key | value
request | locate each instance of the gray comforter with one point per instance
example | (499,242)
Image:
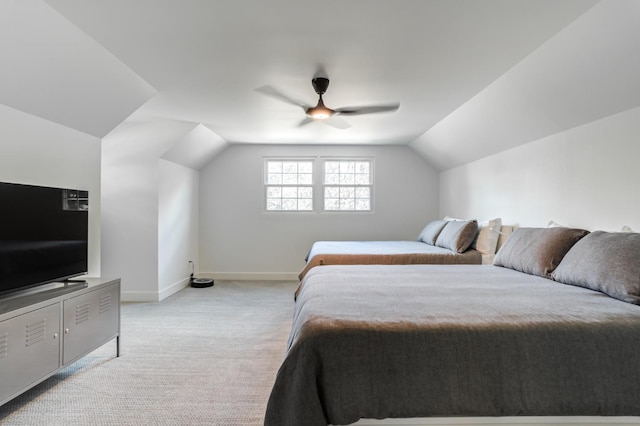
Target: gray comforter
(379,341)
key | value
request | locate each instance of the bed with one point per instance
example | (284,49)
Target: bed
(552,330)
(448,241)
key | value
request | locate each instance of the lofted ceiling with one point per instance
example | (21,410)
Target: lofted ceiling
(462,70)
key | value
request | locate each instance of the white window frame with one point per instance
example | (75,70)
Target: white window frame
(304,187)
(351,186)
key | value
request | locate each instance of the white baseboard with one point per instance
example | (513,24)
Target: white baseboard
(173,288)
(502,421)
(139,296)
(250,276)
(154,296)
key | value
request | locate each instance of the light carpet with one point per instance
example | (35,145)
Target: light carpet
(202,356)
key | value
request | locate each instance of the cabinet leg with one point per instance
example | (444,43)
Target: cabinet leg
(118,346)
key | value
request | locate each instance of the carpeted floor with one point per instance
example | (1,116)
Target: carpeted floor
(202,356)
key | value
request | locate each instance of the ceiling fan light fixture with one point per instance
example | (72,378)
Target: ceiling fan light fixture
(320,112)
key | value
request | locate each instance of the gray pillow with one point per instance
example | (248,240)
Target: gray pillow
(604,261)
(430,232)
(457,235)
(537,251)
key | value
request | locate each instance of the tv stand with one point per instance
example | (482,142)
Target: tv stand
(45,331)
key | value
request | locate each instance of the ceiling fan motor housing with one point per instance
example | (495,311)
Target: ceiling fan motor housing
(320,84)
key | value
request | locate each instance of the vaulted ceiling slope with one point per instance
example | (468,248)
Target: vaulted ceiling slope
(472,77)
(586,72)
(53,70)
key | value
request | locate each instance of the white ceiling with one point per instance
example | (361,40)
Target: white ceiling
(455,66)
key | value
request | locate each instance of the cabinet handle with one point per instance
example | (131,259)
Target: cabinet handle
(66,331)
(55,335)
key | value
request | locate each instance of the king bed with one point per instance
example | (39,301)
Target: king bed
(537,334)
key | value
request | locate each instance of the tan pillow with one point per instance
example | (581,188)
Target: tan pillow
(537,251)
(430,232)
(604,261)
(458,235)
(486,240)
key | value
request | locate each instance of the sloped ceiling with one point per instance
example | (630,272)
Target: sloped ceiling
(586,72)
(473,77)
(53,70)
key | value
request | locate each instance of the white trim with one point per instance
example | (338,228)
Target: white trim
(174,288)
(251,276)
(154,296)
(524,420)
(139,296)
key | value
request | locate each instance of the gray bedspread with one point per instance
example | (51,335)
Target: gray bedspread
(381,341)
(384,253)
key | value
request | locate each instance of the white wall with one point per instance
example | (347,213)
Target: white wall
(38,152)
(178,219)
(584,177)
(240,241)
(130,204)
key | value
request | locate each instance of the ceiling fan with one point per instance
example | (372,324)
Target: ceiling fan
(320,112)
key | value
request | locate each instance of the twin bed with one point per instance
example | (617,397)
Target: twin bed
(551,329)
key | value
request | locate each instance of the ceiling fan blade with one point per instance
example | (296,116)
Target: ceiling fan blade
(367,109)
(306,121)
(275,93)
(337,122)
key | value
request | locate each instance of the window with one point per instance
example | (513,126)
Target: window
(347,185)
(289,185)
(343,184)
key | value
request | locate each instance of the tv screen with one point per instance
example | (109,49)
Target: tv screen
(43,235)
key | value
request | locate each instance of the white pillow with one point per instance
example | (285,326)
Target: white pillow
(626,229)
(554,224)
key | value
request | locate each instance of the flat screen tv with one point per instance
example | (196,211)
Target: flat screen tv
(43,235)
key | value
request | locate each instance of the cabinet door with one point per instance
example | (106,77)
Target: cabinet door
(29,349)
(90,320)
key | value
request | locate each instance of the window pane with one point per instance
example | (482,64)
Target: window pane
(347,179)
(361,179)
(305,204)
(332,192)
(332,204)
(305,192)
(332,167)
(288,204)
(363,205)
(362,167)
(274,192)
(274,204)
(289,178)
(347,204)
(332,178)
(290,192)
(347,167)
(290,167)
(305,167)
(305,179)
(363,193)
(347,192)
(274,167)
(274,179)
